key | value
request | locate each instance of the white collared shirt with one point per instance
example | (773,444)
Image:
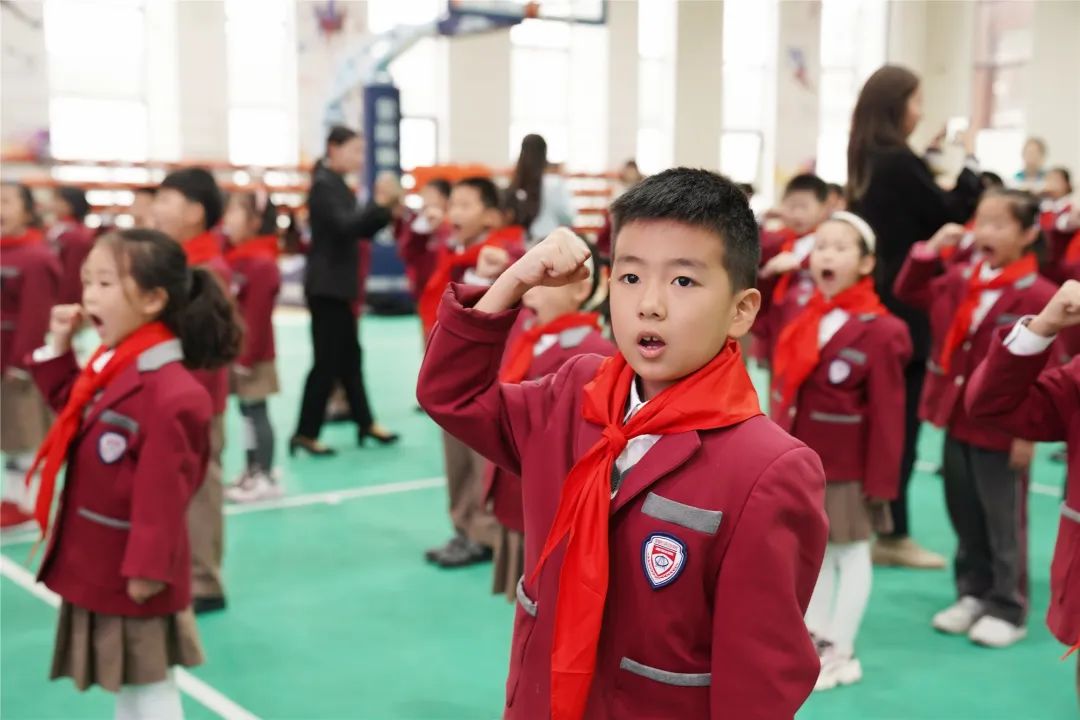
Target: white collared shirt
(830,325)
(638,445)
(545,343)
(986,299)
(1022,341)
(803,247)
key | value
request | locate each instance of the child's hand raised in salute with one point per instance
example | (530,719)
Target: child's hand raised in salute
(560,259)
(64,322)
(1061,312)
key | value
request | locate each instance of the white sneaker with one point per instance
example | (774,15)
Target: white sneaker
(994,632)
(957,619)
(838,668)
(257,487)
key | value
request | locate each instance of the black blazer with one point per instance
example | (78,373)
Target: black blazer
(337,227)
(904,205)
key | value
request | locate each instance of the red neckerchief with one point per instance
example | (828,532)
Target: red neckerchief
(31,236)
(53,450)
(521,352)
(1072,252)
(203,248)
(264,246)
(797,352)
(448,260)
(961,324)
(718,395)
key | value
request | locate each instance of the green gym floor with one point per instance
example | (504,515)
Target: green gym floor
(333,613)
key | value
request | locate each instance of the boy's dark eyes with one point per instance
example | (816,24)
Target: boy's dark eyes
(683,281)
(629,279)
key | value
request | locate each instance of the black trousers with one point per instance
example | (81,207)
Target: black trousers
(987,503)
(914,375)
(335,339)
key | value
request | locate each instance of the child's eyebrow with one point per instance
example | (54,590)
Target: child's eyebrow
(688,262)
(629,259)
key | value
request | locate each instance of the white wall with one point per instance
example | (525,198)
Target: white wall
(24,77)
(698,61)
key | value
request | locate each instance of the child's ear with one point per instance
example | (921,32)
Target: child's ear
(867,263)
(1031,236)
(493,217)
(743,312)
(194,215)
(153,302)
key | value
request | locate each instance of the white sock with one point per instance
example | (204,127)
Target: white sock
(15,478)
(855,574)
(819,611)
(156,701)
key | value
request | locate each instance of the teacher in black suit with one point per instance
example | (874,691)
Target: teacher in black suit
(338,226)
(894,190)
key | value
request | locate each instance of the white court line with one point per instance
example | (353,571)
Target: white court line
(198,690)
(332,497)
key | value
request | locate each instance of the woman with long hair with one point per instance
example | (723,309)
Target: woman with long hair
(541,198)
(894,190)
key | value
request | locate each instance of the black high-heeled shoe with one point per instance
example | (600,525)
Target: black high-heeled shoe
(311,447)
(383,438)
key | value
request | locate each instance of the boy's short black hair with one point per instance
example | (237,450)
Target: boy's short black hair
(489,194)
(835,189)
(1064,172)
(747,189)
(808,182)
(440,185)
(198,185)
(76,200)
(701,199)
(990,180)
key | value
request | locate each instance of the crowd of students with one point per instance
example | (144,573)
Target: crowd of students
(618,366)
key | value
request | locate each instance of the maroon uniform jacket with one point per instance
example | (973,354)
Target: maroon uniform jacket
(850,410)
(137,459)
(71,241)
(256,282)
(29,286)
(770,319)
(419,253)
(922,284)
(504,488)
(725,638)
(1016,394)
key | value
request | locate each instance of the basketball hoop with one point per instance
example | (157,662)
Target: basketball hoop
(330,18)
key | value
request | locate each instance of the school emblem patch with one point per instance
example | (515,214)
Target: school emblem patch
(663,558)
(111,447)
(839,371)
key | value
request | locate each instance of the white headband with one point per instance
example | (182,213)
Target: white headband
(860,225)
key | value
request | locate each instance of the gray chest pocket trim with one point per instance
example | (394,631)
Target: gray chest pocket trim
(1070,514)
(527,603)
(851,354)
(104,519)
(111,417)
(1007,319)
(835,418)
(666,677)
(706,521)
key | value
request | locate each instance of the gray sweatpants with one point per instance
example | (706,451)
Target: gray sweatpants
(987,502)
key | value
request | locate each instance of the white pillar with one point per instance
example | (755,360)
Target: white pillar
(480,99)
(797,100)
(622,79)
(699,60)
(1053,90)
(203,80)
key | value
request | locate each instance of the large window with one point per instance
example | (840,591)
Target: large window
(1003,48)
(748,90)
(558,84)
(844,68)
(261,38)
(656,84)
(97,107)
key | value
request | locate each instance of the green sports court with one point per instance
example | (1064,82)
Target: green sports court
(333,614)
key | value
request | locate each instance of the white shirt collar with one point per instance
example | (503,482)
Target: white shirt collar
(103,360)
(988,273)
(636,403)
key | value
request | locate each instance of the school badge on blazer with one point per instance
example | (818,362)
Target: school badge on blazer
(839,371)
(663,558)
(111,447)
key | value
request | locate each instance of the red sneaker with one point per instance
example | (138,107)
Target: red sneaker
(12,517)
